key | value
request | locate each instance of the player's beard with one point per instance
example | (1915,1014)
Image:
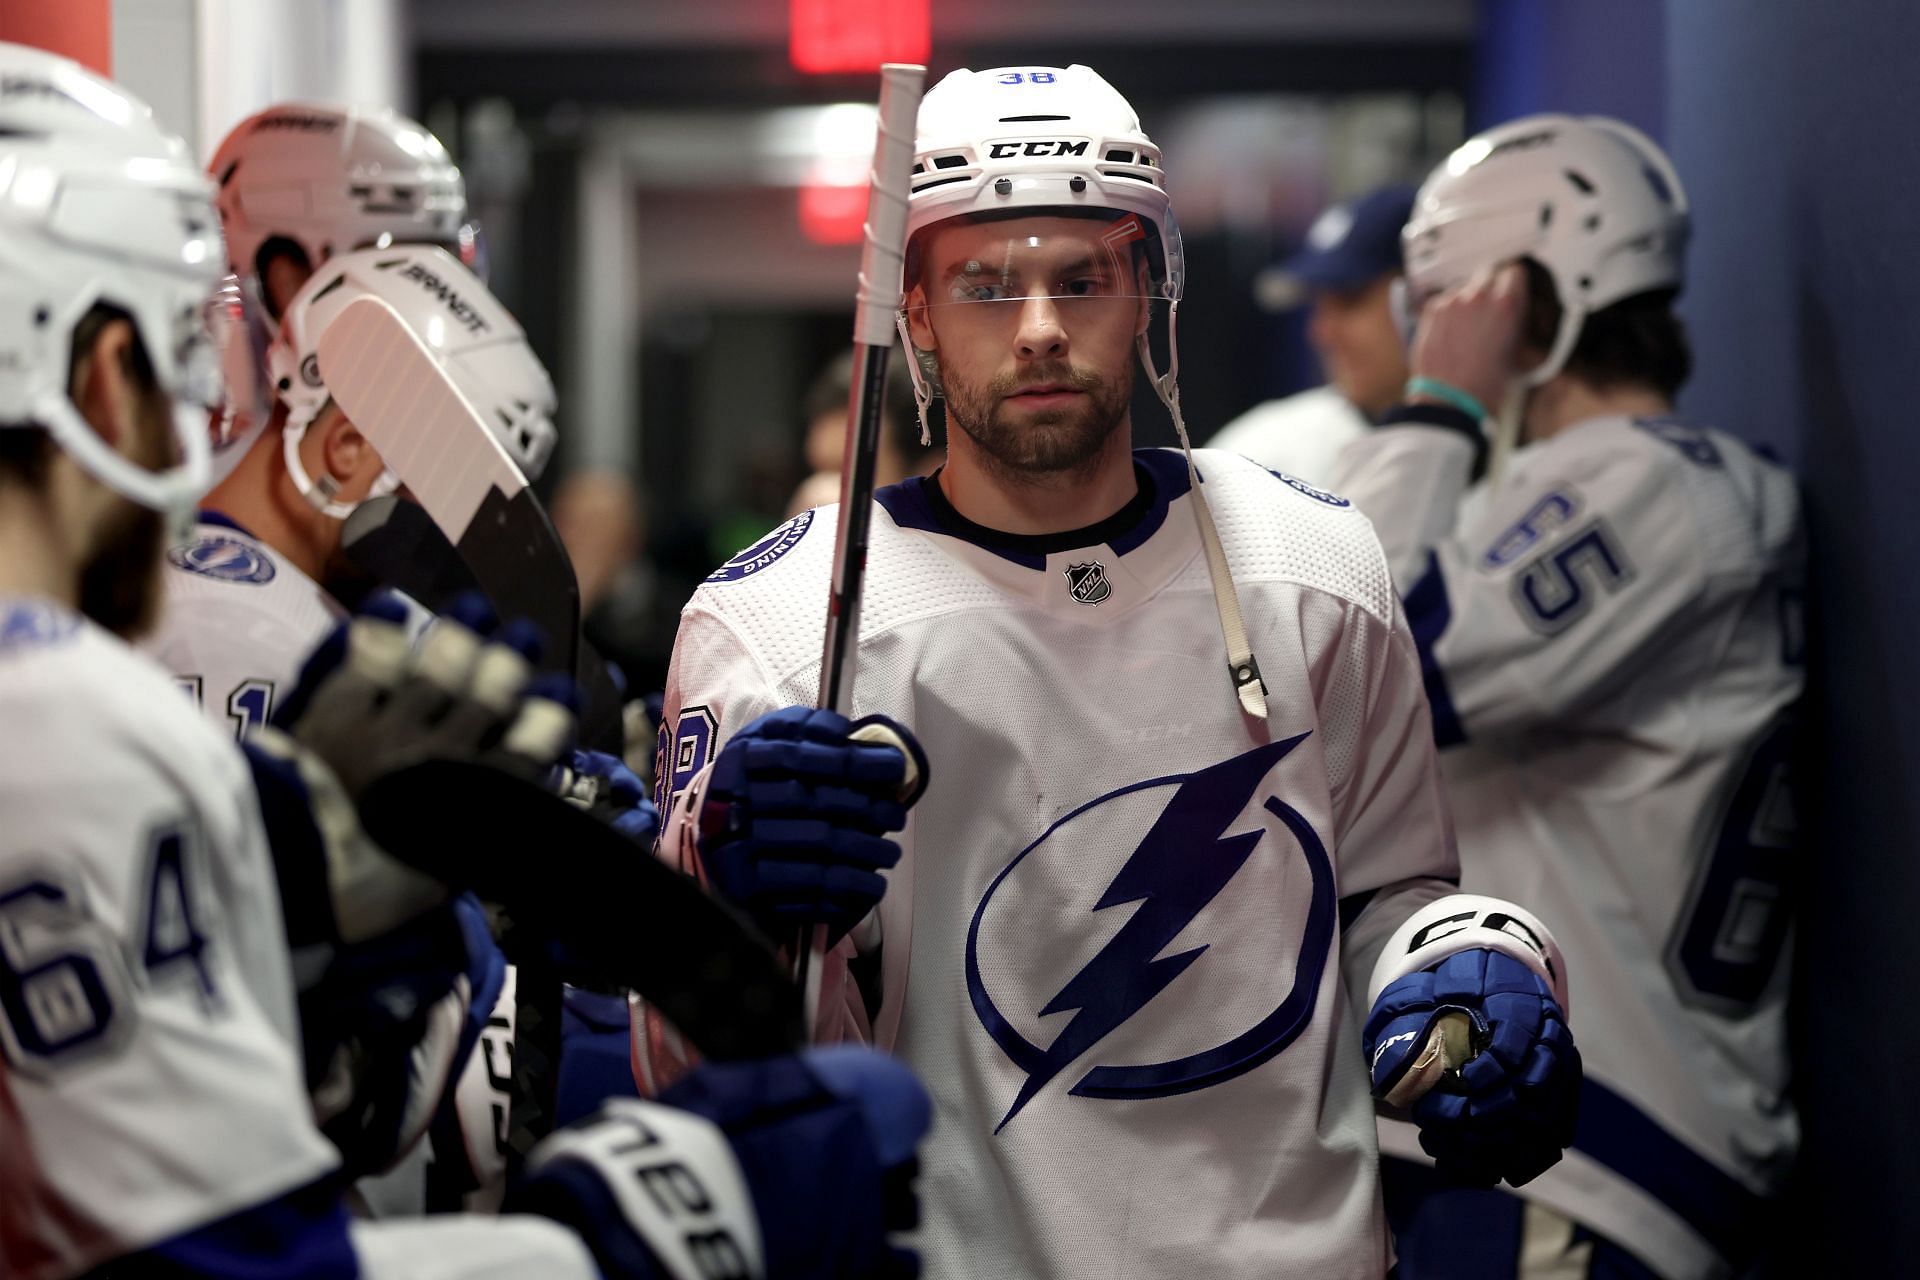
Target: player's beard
(1051,442)
(120,585)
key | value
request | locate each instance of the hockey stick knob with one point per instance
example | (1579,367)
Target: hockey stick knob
(1449,1047)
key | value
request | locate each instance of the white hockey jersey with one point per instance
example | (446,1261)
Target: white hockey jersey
(151,1077)
(1121,941)
(238,623)
(1611,639)
(1301,434)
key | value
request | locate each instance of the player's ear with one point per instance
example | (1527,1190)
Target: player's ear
(344,452)
(105,387)
(919,327)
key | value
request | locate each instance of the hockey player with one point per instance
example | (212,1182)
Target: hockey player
(1611,643)
(1183,802)
(155,1120)
(247,597)
(1346,272)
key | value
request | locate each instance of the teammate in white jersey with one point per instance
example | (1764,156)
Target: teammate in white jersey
(1345,271)
(1182,802)
(1610,638)
(154,1119)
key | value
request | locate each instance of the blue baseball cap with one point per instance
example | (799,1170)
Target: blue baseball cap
(1350,245)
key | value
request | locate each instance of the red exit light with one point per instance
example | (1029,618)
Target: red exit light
(828,37)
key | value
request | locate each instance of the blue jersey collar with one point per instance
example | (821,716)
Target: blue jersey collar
(1161,477)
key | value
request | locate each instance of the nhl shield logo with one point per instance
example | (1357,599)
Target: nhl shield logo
(1087,583)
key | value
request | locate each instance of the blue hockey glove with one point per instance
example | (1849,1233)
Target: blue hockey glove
(788,1169)
(1479,1051)
(388,1026)
(603,785)
(797,814)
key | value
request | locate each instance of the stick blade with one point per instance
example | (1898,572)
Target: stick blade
(393,389)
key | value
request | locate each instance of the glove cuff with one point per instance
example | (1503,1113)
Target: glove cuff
(1463,922)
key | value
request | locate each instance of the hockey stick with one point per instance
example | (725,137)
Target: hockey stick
(882,261)
(577,880)
(392,389)
(397,544)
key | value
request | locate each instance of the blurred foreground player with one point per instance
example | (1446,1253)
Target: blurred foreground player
(1183,804)
(1611,643)
(153,1118)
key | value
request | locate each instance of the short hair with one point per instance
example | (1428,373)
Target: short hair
(1639,340)
(26,451)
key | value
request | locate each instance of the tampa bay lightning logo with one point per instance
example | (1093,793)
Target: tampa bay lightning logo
(1317,494)
(1174,873)
(764,552)
(225,559)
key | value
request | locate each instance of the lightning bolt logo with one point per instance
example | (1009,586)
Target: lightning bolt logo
(1178,868)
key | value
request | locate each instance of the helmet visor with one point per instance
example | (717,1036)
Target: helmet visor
(986,275)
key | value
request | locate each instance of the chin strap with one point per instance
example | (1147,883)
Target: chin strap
(1242,667)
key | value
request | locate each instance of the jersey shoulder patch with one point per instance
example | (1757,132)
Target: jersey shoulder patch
(762,554)
(224,558)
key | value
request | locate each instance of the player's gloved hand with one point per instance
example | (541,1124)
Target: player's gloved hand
(604,786)
(368,703)
(789,1169)
(797,813)
(1479,1051)
(389,1024)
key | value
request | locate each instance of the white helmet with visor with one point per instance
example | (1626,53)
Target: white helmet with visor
(1016,142)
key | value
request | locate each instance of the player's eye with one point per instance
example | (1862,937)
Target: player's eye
(980,291)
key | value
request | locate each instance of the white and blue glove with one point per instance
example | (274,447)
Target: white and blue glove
(1468,1034)
(795,1168)
(797,814)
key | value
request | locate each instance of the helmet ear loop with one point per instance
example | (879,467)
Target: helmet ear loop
(1510,413)
(925,382)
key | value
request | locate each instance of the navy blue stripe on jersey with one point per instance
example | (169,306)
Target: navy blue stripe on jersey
(1161,477)
(225,521)
(1617,1134)
(1429,613)
(300,1236)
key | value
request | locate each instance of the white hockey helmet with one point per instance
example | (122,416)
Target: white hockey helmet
(1595,202)
(1015,140)
(331,179)
(101,206)
(477,341)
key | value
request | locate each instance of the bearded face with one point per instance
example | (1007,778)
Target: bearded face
(1032,323)
(120,584)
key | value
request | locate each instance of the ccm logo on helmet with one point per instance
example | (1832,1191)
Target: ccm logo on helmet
(463,311)
(1041,147)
